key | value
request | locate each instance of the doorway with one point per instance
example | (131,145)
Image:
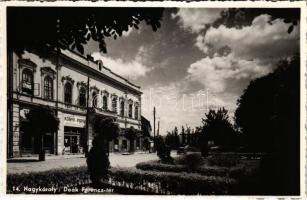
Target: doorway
(73,139)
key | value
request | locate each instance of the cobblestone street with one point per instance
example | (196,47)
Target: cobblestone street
(31,164)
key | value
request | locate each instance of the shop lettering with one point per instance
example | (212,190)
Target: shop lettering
(71,119)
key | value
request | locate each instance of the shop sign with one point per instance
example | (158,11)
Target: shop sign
(74,120)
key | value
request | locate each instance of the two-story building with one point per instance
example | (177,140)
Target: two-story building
(72,85)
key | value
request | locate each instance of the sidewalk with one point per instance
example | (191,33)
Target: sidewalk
(31,164)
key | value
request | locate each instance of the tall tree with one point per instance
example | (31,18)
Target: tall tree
(41,120)
(269,115)
(73,27)
(217,127)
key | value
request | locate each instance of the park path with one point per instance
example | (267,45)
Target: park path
(30,164)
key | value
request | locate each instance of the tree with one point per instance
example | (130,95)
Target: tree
(163,150)
(131,134)
(217,127)
(98,162)
(41,120)
(268,114)
(72,28)
(182,135)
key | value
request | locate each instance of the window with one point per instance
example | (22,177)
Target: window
(122,108)
(48,87)
(94,97)
(136,112)
(130,110)
(99,66)
(114,104)
(27,81)
(68,93)
(82,97)
(105,103)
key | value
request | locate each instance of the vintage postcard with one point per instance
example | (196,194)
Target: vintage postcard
(153,98)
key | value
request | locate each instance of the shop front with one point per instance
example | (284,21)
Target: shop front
(29,142)
(74,133)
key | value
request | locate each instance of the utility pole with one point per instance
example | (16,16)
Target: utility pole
(158,128)
(87,117)
(154,115)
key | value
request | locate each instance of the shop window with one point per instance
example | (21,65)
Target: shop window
(48,88)
(130,111)
(124,145)
(82,97)
(122,108)
(27,81)
(68,93)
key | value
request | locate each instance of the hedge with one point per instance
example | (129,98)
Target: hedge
(176,183)
(233,172)
(167,182)
(58,178)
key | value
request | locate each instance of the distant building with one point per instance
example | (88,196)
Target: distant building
(68,83)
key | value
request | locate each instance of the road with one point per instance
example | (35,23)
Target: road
(31,164)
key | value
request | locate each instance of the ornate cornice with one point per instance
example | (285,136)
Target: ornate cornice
(49,71)
(27,63)
(121,98)
(130,101)
(81,84)
(68,79)
(113,95)
(94,88)
(105,92)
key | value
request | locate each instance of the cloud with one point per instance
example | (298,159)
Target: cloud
(173,108)
(264,39)
(131,69)
(225,73)
(194,19)
(127,33)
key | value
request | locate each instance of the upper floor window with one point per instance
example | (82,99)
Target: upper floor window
(68,93)
(48,87)
(104,102)
(136,112)
(94,98)
(130,111)
(122,108)
(82,97)
(114,104)
(27,81)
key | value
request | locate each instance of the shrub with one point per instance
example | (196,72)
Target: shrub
(176,183)
(97,160)
(58,178)
(204,149)
(163,151)
(232,172)
(193,161)
(223,160)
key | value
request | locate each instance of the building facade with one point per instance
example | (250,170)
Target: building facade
(77,88)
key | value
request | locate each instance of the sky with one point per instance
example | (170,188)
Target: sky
(188,66)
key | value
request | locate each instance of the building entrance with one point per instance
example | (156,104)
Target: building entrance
(73,139)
